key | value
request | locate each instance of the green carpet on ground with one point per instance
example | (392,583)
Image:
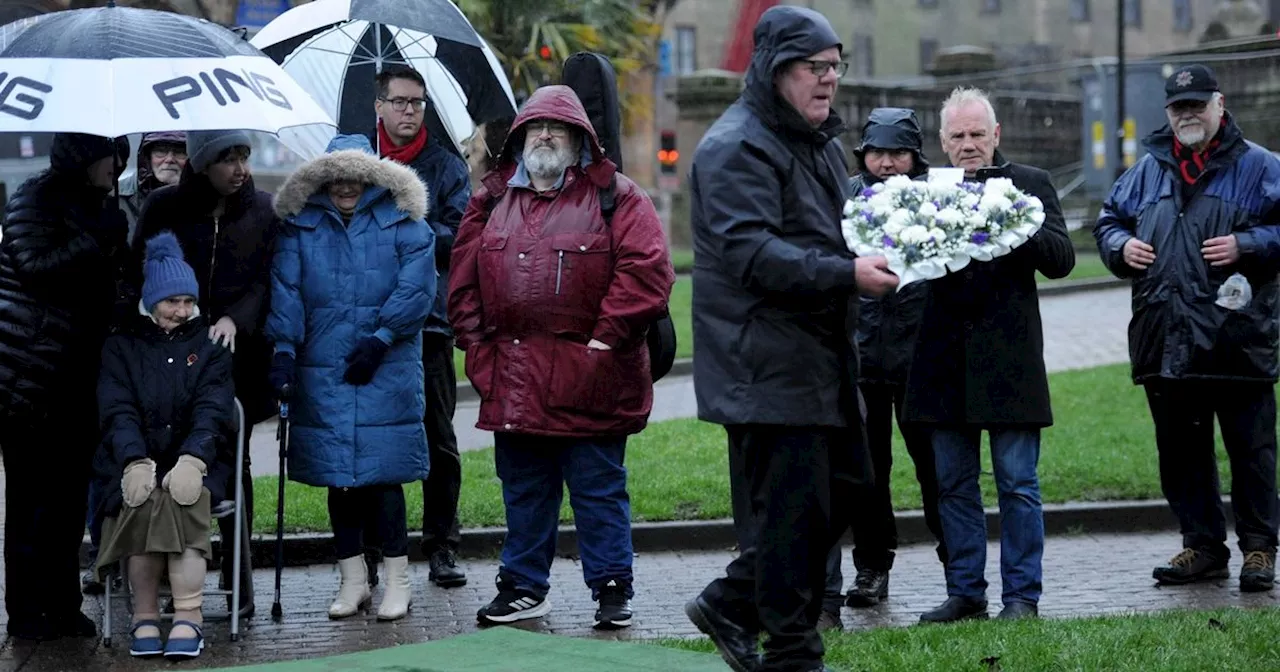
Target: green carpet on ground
(507,650)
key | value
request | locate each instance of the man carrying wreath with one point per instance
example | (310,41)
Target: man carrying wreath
(979,364)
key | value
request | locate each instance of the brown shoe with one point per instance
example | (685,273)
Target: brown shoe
(1259,571)
(1190,566)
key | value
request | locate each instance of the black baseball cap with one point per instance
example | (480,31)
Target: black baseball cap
(1190,82)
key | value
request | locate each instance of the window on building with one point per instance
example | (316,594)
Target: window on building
(863,56)
(928,49)
(1080,10)
(686,50)
(991,6)
(1133,13)
(1182,20)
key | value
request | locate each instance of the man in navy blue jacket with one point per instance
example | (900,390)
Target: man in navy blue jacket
(402,136)
(1194,225)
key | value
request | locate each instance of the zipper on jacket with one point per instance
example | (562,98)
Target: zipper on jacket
(213,256)
(559,270)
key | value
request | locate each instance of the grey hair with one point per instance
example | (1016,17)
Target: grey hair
(965,95)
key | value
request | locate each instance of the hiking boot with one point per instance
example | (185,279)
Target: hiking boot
(829,620)
(1190,566)
(737,645)
(1259,571)
(615,608)
(512,604)
(444,569)
(956,609)
(871,587)
(1018,610)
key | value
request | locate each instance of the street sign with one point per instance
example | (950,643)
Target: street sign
(664,58)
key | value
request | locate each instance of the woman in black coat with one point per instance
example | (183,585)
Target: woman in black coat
(227,230)
(167,402)
(62,258)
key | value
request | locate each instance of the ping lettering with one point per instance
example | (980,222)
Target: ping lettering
(20,90)
(222,86)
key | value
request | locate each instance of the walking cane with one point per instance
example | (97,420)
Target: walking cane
(282,434)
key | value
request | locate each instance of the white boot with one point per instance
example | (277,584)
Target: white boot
(353,594)
(395,580)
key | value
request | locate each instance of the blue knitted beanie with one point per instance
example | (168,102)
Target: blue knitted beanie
(165,273)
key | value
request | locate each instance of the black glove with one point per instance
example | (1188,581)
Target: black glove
(283,374)
(364,361)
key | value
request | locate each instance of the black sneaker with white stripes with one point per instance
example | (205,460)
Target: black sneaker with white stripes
(511,605)
(615,608)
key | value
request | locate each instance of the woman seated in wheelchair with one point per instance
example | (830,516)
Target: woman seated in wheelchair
(167,403)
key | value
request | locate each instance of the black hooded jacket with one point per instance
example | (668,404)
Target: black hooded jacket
(63,257)
(774,298)
(887,326)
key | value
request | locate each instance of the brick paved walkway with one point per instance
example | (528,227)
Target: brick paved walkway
(1075,585)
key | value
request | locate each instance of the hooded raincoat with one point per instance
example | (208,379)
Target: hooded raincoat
(334,282)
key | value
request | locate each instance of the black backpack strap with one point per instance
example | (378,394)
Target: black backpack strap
(609,200)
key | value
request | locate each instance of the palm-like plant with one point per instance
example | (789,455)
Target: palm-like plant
(533,38)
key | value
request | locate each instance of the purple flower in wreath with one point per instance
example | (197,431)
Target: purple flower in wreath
(888,242)
(1019,204)
(868,192)
(979,238)
(869,215)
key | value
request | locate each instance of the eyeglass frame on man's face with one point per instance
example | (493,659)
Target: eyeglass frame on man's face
(556,129)
(178,153)
(402,104)
(821,68)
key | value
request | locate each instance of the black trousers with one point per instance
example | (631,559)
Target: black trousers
(1183,412)
(440,528)
(377,507)
(44,527)
(875,530)
(799,483)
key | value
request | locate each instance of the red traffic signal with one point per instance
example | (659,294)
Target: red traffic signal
(544,52)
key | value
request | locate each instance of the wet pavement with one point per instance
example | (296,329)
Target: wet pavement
(1084,576)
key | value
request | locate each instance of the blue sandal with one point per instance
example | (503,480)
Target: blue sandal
(188,647)
(145,647)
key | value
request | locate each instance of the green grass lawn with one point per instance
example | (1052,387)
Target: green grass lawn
(1231,639)
(1101,448)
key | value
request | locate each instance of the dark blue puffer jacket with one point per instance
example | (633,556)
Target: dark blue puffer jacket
(1177,330)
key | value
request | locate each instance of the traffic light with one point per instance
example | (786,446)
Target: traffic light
(668,155)
(544,52)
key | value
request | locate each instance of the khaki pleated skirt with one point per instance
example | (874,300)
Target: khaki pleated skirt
(159,525)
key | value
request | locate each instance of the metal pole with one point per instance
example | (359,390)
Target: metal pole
(1120,136)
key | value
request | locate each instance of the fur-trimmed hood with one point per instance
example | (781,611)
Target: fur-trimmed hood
(351,157)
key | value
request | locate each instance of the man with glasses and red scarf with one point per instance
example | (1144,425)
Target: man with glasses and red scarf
(1193,223)
(403,137)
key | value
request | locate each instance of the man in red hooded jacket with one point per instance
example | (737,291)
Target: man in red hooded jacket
(551,302)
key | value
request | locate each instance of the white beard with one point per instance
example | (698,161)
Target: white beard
(1191,135)
(546,163)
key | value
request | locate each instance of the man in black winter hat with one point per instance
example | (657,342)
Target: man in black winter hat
(891,145)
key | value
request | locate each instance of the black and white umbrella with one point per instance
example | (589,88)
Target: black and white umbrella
(335,48)
(113,71)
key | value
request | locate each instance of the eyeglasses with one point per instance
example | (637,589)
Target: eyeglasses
(1192,106)
(820,68)
(553,128)
(399,104)
(179,154)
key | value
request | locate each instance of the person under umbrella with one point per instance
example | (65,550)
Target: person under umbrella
(161,158)
(352,283)
(159,482)
(62,285)
(227,229)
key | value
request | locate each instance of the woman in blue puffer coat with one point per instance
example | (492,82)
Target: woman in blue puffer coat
(352,282)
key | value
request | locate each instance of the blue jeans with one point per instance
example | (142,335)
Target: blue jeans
(534,471)
(1014,455)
